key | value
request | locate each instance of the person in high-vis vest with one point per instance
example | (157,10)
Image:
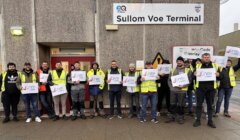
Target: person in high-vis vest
(57,77)
(148,90)
(178,93)
(77,94)
(205,90)
(133,92)
(188,64)
(28,76)
(227,82)
(96,91)
(114,90)
(10,92)
(44,90)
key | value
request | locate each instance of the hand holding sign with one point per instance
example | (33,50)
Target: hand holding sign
(180,80)
(43,77)
(114,79)
(164,69)
(220,60)
(58,90)
(232,52)
(95,80)
(129,81)
(150,74)
(78,76)
(207,74)
(29,88)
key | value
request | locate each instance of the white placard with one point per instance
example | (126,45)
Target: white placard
(150,74)
(58,89)
(158,13)
(139,64)
(29,88)
(164,68)
(95,80)
(115,79)
(190,52)
(232,51)
(220,60)
(180,80)
(43,77)
(129,81)
(78,76)
(206,74)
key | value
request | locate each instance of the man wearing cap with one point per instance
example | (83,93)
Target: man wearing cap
(178,93)
(28,76)
(115,91)
(10,92)
(96,91)
(148,90)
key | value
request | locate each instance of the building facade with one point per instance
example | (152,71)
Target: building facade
(75,30)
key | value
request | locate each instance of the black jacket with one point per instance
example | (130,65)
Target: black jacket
(10,82)
(114,88)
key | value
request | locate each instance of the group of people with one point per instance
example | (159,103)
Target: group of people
(155,90)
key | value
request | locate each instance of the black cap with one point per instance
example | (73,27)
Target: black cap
(148,63)
(180,58)
(27,64)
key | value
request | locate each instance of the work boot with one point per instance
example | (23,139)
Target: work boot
(15,119)
(6,120)
(211,124)
(197,123)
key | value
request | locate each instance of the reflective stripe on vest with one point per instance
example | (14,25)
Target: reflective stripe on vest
(99,72)
(148,86)
(136,74)
(186,70)
(59,80)
(232,77)
(109,72)
(198,67)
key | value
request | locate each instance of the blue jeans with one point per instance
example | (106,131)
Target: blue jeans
(46,100)
(226,94)
(33,99)
(152,97)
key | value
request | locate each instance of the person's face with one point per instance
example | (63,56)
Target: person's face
(45,66)
(206,58)
(95,66)
(131,68)
(11,68)
(114,65)
(229,63)
(180,63)
(187,65)
(149,66)
(58,65)
(76,65)
(28,67)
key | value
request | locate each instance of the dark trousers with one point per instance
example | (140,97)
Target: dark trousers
(177,104)
(118,96)
(47,102)
(163,92)
(10,100)
(134,97)
(202,94)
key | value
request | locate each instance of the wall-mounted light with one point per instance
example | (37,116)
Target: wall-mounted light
(16,30)
(111,27)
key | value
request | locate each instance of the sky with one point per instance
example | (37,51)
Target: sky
(229,14)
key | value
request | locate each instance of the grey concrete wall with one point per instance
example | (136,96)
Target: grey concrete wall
(127,44)
(18,49)
(65,20)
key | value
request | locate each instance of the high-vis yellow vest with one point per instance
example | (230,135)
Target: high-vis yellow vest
(149,86)
(186,70)
(231,77)
(59,80)
(3,80)
(136,74)
(23,78)
(199,66)
(99,72)
(109,72)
